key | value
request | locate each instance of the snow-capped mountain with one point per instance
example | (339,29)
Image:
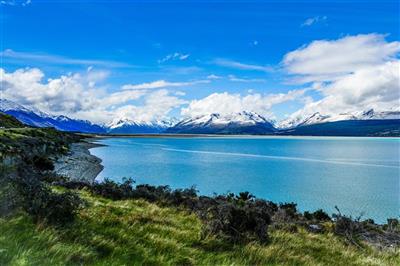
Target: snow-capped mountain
(37,118)
(127,125)
(235,123)
(318,118)
(367,123)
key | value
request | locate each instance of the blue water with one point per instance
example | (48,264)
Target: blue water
(359,175)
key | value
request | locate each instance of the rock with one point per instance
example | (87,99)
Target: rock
(79,164)
(315,228)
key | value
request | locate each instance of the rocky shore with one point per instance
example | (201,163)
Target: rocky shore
(79,164)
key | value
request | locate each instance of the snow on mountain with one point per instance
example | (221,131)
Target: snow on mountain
(244,118)
(127,125)
(37,118)
(235,123)
(6,105)
(318,118)
(119,122)
(371,114)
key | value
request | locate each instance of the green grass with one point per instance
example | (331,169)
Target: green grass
(136,232)
(17,141)
(8,121)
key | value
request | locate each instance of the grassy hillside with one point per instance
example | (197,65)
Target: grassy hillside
(8,121)
(28,142)
(136,232)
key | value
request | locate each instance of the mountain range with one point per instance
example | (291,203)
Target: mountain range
(129,126)
(236,123)
(366,123)
(318,118)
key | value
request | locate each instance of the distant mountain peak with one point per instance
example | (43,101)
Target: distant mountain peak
(243,122)
(6,105)
(233,123)
(34,117)
(317,118)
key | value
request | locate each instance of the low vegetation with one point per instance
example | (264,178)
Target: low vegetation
(48,220)
(137,232)
(8,121)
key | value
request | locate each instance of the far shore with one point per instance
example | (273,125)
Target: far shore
(166,135)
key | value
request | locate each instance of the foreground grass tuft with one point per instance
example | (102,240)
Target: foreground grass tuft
(136,232)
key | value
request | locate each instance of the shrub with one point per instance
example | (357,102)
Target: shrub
(393,224)
(52,178)
(238,222)
(318,215)
(348,227)
(61,208)
(43,163)
(113,190)
(289,208)
(40,202)
(185,197)
(152,193)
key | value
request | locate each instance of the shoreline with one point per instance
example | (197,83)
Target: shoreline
(216,136)
(79,164)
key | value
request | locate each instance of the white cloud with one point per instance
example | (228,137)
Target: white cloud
(59,60)
(226,103)
(78,95)
(371,87)
(313,20)
(174,56)
(157,105)
(15,2)
(68,93)
(180,93)
(238,79)
(242,66)
(161,84)
(212,76)
(354,73)
(328,60)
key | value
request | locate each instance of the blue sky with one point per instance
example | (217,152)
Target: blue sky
(198,48)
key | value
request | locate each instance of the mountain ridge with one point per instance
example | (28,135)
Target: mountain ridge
(369,122)
(318,118)
(235,123)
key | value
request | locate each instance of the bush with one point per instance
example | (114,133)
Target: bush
(289,208)
(318,215)
(348,227)
(185,197)
(113,190)
(152,193)
(40,202)
(43,163)
(393,224)
(238,221)
(61,208)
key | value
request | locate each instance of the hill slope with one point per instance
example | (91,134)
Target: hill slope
(8,121)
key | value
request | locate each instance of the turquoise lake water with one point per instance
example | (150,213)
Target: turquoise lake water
(359,175)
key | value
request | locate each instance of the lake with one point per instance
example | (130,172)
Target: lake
(359,175)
